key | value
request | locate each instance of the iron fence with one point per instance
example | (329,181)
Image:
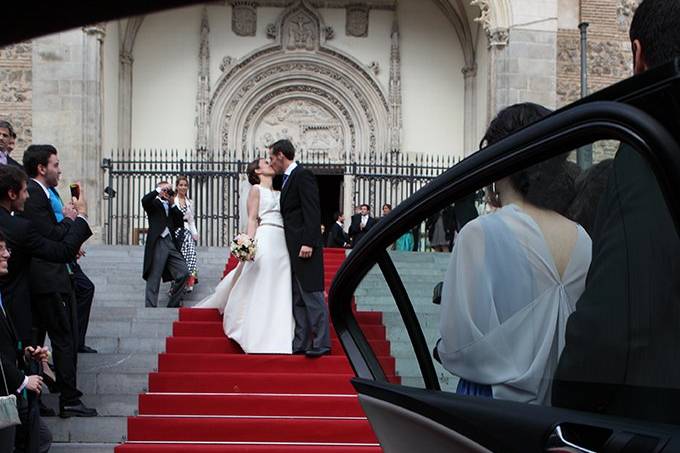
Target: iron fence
(214,186)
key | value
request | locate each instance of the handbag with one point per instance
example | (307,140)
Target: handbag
(9,414)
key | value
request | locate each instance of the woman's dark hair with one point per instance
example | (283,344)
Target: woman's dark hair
(388,206)
(253,177)
(548,184)
(590,186)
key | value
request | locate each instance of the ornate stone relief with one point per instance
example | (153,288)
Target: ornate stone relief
(226,64)
(272,31)
(203,89)
(395,117)
(329,32)
(624,12)
(357,21)
(310,126)
(335,107)
(497,35)
(301,32)
(374,66)
(244,17)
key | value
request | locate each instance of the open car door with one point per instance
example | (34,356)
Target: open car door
(642,113)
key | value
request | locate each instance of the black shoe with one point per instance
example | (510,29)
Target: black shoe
(317,352)
(299,352)
(87,350)
(79,410)
(46,411)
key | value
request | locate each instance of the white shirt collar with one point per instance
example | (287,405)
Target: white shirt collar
(47,192)
(339,223)
(290,168)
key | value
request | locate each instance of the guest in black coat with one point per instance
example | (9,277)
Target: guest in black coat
(32,435)
(7,143)
(336,235)
(621,355)
(52,296)
(162,258)
(26,242)
(361,224)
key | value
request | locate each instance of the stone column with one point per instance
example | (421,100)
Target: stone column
(92,106)
(125,100)
(470,137)
(348,199)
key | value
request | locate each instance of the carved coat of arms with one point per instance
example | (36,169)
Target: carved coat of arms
(357,21)
(244,20)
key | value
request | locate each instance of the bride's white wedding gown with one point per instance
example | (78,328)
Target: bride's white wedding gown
(256,297)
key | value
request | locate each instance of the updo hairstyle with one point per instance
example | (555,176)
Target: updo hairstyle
(253,178)
(548,184)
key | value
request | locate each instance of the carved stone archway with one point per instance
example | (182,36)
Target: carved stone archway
(299,68)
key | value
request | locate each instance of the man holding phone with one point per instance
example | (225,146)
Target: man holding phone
(162,258)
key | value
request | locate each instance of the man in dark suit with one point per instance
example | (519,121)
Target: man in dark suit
(337,236)
(52,296)
(52,218)
(361,223)
(7,142)
(621,355)
(301,219)
(26,242)
(161,255)
(33,433)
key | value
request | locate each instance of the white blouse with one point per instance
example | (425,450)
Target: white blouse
(504,305)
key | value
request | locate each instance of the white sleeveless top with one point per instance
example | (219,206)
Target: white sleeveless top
(270,208)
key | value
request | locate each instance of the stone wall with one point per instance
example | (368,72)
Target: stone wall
(16,92)
(609,54)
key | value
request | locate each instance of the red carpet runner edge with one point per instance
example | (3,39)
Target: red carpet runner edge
(222,400)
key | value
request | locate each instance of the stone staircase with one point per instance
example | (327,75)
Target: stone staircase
(128,338)
(420,272)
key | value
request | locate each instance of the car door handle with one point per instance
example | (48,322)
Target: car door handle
(558,443)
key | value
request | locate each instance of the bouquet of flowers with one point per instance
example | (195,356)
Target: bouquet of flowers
(243,247)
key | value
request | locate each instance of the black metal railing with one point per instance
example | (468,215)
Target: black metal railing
(215,182)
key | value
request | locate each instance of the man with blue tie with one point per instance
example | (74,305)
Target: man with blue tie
(162,258)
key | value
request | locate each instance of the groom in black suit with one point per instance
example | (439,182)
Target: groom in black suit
(301,219)
(161,255)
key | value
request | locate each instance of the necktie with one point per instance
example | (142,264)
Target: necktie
(165,206)
(3,158)
(285,178)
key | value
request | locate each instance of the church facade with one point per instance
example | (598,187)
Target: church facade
(346,81)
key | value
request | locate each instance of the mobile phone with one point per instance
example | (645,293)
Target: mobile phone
(75,191)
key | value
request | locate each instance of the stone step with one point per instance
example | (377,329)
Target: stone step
(133,362)
(105,313)
(94,430)
(82,448)
(124,345)
(139,328)
(110,383)
(106,405)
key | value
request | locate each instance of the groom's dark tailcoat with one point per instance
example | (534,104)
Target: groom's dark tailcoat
(158,221)
(302,219)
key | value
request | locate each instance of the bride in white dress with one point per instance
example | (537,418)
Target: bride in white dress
(256,297)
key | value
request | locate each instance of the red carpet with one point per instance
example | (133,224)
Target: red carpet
(209,397)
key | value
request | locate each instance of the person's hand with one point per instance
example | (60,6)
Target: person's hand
(70,211)
(305,251)
(195,237)
(35,383)
(40,354)
(80,204)
(81,253)
(163,187)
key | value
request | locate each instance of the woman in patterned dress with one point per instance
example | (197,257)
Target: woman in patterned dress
(189,234)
